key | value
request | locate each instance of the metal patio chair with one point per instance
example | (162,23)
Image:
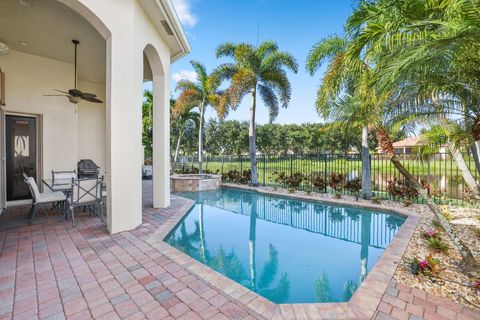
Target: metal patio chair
(40,198)
(85,192)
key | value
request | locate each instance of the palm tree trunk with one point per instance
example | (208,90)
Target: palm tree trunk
(202,232)
(251,243)
(366,220)
(177,151)
(252,139)
(200,138)
(366,168)
(475,149)
(468,261)
(465,171)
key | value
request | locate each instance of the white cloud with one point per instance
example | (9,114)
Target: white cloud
(184,12)
(184,75)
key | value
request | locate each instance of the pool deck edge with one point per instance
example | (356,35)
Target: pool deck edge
(364,301)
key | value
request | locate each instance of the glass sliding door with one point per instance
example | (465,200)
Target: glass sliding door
(21,154)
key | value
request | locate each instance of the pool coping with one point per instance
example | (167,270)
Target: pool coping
(364,301)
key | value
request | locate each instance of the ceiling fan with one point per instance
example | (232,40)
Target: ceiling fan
(75,95)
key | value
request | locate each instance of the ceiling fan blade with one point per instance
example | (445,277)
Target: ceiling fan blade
(60,91)
(90,95)
(56,95)
(92,99)
(75,92)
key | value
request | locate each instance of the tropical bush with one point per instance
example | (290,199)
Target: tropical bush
(317,180)
(400,189)
(292,181)
(336,181)
(354,186)
(236,176)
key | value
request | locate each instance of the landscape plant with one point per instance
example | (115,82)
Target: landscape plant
(199,95)
(256,70)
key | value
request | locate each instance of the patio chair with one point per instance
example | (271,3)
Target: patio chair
(85,192)
(40,198)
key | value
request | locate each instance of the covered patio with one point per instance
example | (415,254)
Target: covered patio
(51,271)
(119,48)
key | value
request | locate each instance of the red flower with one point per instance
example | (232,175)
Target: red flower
(423,264)
(477,284)
(430,233)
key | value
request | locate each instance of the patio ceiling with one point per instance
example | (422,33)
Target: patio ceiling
(46,29)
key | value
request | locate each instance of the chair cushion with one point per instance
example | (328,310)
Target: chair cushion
(52,197)
(34,188)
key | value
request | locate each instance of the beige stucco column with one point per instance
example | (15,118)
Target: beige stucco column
(124,96)
(161,130)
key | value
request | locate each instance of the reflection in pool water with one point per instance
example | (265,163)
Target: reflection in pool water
(288,251)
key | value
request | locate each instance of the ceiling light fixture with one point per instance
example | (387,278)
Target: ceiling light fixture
(24,43)
(4,48)
(26,3)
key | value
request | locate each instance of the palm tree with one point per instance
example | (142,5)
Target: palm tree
(180,124)
(147,121)
(428,48)
(402,41)
(256,69)
(200,94)
(356,105)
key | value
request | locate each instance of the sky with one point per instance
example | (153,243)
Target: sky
(296,25)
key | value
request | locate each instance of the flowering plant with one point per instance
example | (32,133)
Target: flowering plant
(427,266)
(431,233)
(476,284)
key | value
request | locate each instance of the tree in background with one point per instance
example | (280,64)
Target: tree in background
(257,69)
(422,53)
(200,94)
(231,138)
(147,122)
(180,127)
(345,94)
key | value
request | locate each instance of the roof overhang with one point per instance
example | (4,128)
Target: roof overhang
(163,16)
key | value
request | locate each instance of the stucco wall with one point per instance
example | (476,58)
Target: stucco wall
(91,126)
(28,78)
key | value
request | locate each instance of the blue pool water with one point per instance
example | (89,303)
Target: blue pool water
(288,251)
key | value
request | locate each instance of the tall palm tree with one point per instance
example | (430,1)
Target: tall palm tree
(200,94)
(181,123)
(256,70)
(429,49)
(399,38)
(344,94)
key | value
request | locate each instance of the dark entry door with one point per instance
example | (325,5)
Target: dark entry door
(21,154)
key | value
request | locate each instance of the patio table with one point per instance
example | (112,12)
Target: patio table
(63,185)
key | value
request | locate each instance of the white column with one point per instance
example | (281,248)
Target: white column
(161,138)
(124,121)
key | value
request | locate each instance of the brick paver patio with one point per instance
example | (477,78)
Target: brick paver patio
(51,271)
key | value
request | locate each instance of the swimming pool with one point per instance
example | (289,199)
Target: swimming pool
(286,250)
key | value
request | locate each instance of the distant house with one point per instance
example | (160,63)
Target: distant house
(404,146)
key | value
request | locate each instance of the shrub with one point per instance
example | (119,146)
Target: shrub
(407,203)
(399,189)
(236,176)
(376,200)
(354,186)
(336,181)
(317,180)
(428,266)
(437,245)
(292,181)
